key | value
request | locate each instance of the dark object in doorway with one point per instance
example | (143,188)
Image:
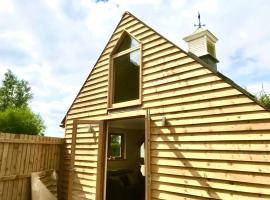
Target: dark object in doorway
(124,185)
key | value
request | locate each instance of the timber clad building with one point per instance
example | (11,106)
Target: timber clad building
(155,122)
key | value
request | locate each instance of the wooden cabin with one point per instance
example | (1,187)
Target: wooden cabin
(152,121)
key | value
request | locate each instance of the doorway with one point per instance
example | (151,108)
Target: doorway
(124,158)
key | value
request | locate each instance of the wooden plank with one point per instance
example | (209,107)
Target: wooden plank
(187,90)
(210,164)
(210,137)
(147,36)
(72,160)
(154,43)
(89,103)
(181,84)
(130,25)
(162,51)
(148,161)
(168,69)
(27,141)
(102,106)
(89,114)
(139,31)
(210,99)
(229,146)
(234,176)
(99,183)
(8,170)
(15,164)
(21,168)
(168,58)
(99,79)
(213,155)
(94,92)
(86,89)
(259,115)
(85,185)
(2,162)
(213,194)
(221,127)
(91,98)
(153,51)
(86,164)
(212,184)
(162,195)
(209,110)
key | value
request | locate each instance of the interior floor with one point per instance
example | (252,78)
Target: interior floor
(125,160)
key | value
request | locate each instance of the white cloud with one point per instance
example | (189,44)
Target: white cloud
(6,7)
(54,44)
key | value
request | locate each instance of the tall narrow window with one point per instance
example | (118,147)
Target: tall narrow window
(126,71)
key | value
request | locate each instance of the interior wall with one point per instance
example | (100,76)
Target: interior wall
(132,147)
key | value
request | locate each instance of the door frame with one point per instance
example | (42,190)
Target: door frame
(102,157)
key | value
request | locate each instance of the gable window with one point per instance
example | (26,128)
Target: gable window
(125,72)
(116,146)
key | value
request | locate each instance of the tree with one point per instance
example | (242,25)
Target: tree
(15,113)
(14,93)
(21,120)
(264,98)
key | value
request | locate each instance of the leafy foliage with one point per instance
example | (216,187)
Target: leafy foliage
(264,98)
(21,120)
(15,114)
(14,93)
(116,145)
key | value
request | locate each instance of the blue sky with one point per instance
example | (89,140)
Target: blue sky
(54,44)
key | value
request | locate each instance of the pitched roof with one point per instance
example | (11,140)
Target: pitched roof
(197,59)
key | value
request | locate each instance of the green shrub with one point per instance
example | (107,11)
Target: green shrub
(264,98)
(21,120)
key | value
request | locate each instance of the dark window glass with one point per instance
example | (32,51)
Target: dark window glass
(126,72)
(127,43)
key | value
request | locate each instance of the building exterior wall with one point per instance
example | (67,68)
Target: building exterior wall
(216,140)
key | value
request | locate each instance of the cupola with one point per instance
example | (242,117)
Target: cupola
(202,44)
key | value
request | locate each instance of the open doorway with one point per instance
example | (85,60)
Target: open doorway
(125,176)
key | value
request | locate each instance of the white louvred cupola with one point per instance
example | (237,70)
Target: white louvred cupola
(202,44)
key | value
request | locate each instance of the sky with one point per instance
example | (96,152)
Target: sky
(54,44)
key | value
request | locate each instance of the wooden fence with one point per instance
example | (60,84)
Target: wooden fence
(22,154)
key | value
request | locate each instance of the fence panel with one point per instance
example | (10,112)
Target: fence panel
(22,154)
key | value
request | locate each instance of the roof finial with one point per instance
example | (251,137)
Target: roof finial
(199,19)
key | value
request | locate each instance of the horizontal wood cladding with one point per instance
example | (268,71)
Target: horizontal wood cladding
(213,119)
(185,91)
(207,110)
(181,84)
(213,155)
(214,136)
(215,143)
(171,75)
(218,127)
(159,53)
(235,166)
(156,194)
(206,192)
(211,183)
(223,175)
(85,160)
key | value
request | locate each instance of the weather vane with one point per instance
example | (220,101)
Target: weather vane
(199,18)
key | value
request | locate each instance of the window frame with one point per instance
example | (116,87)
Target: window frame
(123,144)
(114,55)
